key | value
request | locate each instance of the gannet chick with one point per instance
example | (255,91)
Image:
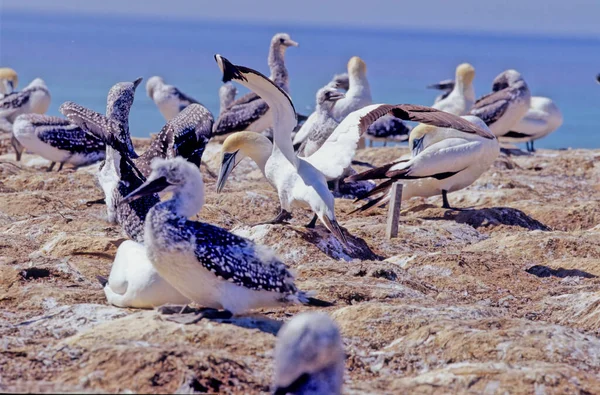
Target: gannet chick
(34,98)
(58,140)
(324,122)
(227,94)
(251,112)
(309,356)
(542,118)
(205,263)
(359,92)
(461,98)
(387,128)
(297,181)
(506,105)
(446,86)
(169,100)
(455,156)
(8,81)
(134,282)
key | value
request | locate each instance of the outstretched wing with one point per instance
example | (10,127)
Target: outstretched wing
(239,117)
(192,129)
(62,134)
(236,259)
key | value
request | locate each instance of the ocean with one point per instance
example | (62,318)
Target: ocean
(81,57)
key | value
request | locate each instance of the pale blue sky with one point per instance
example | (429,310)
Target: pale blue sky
(540,17)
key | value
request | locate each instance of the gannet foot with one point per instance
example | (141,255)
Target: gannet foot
(445,203)
(90,203)
(312,223)
(61,166)
(51,166)
(281,218)
(187,315)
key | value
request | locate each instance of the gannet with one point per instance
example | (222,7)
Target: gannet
(455,155)
(309,356)
(57,140)
(205,263)
(251,112)
(387,128)
(34,98)
(227,94)
(461,98)
(446,86)
(339,81)
(542,118)
(298,181)
(169,100)
(359,92)
(505,105)
(324,123)
(8,81)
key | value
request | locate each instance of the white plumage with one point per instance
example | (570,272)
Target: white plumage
(462,97)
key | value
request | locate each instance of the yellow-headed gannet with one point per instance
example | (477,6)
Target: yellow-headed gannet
(462,97)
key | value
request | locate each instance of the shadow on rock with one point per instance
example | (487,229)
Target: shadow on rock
(545,271)
(494,216)
(357,248)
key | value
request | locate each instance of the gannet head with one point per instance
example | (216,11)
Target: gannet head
(327,96)
(152,84)
(118,103)
(357,67)
(416,137)
(37,83)
(340,81)
(9,80)
(175,175)
(238,146)
(309,350)
(465,73)
(282,41)
(506,79)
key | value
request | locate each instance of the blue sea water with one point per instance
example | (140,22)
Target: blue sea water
(81,57)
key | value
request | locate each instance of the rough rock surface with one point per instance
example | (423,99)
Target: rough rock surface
(502,297)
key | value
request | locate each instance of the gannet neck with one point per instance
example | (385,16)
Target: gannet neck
(279,73)
(359,85)
(259,150)
(227,94)
(185,182)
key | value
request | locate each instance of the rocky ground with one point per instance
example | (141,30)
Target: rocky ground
(502,297)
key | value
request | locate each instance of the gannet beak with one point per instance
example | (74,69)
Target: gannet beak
(137,82)
(442,86)
(8,84)
(227,166)
(291,43)
(335,96)
(417,146)
(148,188)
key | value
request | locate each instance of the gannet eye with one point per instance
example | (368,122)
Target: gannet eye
(282,40)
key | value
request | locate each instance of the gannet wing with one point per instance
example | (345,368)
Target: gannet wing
(247,98)
(173,91)
(11,103)
(493,105)
(60,133)
(239,117)
(95,123)
(236,259)
(192,129)
(445,85)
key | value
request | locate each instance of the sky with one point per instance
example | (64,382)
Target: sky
(532,17)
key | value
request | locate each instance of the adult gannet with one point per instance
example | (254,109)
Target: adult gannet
(34,98)
(227,94)
(359,91)
(251,112)
(57,140)
(446,86)
(8,81)
(505,105)
(205,263)
(169,100)
(542,118)
(453,158)
(309,356)
(461,98)
(323,124)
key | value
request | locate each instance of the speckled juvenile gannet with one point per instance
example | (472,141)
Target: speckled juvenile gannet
(251,112)
(309,356)
(169,100)
(9,80)
(446,86)
(462,97)
(58,140)
(298,181)
(227,94)
(359,92)
(34,98)
(205,263)
(456,154)
(542,118)
(324,123)
(505,105)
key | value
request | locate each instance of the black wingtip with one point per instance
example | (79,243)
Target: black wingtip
(229,70)
(102,280)
(319,303)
